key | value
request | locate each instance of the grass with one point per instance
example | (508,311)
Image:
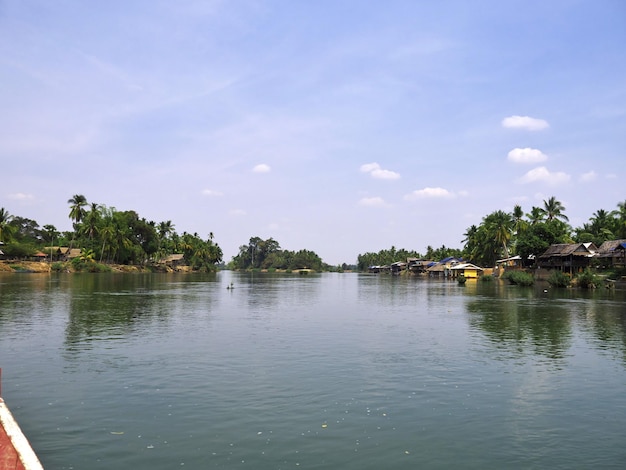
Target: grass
(519,278)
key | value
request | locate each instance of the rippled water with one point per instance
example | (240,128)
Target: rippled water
(321,371)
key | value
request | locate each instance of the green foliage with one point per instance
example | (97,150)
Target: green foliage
(26,230)
(486,279)
(19,250)
(81,264)
(538,237)
(490,240)
(461,279)
(519,278)
(266,254)
(587,279)
(616,274)
(384,257)
(437,254)
(58,267)
(6,228)
(558,279)
(201,255)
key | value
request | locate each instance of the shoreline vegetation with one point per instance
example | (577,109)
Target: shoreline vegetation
(105,239)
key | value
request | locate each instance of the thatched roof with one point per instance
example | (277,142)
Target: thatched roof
(609,247)
(437,268)
(569,249)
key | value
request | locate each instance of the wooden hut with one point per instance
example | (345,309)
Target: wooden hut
(568,257)
(612,253)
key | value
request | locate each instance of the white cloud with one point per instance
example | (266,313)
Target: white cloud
(589,176)
(376,171)
(611,176)
(261,168)
(527,155)
(525,122)
(369,167)
(237,212)
(21,197)
(429,193)
(372,202)
(385,174)
(211,192)
(542,174)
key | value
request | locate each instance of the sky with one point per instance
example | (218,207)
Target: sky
(337,126)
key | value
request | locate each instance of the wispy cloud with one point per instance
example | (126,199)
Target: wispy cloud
(261,168)
(430,193)
(525,122)
(237,212)
(372,202)
(21,197)
(527,155)
(542,174)
(589,176)
(211,193)
(376,171)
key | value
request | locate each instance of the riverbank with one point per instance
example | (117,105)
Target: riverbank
(45,267)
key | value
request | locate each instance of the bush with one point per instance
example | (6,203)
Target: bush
(486,278)
(519,278)
(89,266)
(587,279)
(558,279)
(616,274)
(58,267)
(19,250)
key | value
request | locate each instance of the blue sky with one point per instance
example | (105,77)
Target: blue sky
(337,126)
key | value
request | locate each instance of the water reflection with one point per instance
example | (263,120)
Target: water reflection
(112,307)
(545,322)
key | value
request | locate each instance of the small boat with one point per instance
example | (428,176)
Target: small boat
(15,450)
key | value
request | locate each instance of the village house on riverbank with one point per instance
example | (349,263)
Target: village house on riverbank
(571,258)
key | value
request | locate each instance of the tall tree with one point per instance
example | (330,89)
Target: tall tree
(92,220)
(6,229)
(76,202)
(77,213)
(620,220)
(553,209)
(535,215)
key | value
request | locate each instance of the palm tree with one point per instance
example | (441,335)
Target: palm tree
(107,233)
(518,215)
(553,209)
(535,215)
(500,225)
(51,230)
(77,202)
(620,217)
(6,229)
(92,218)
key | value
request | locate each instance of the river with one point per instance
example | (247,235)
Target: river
(319,371)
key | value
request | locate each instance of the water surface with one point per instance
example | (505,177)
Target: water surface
(321,371)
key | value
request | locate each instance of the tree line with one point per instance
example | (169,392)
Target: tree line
(108,235)
(105,234)
(503,234)
(267,254)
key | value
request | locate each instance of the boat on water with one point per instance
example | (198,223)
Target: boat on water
(15,450)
